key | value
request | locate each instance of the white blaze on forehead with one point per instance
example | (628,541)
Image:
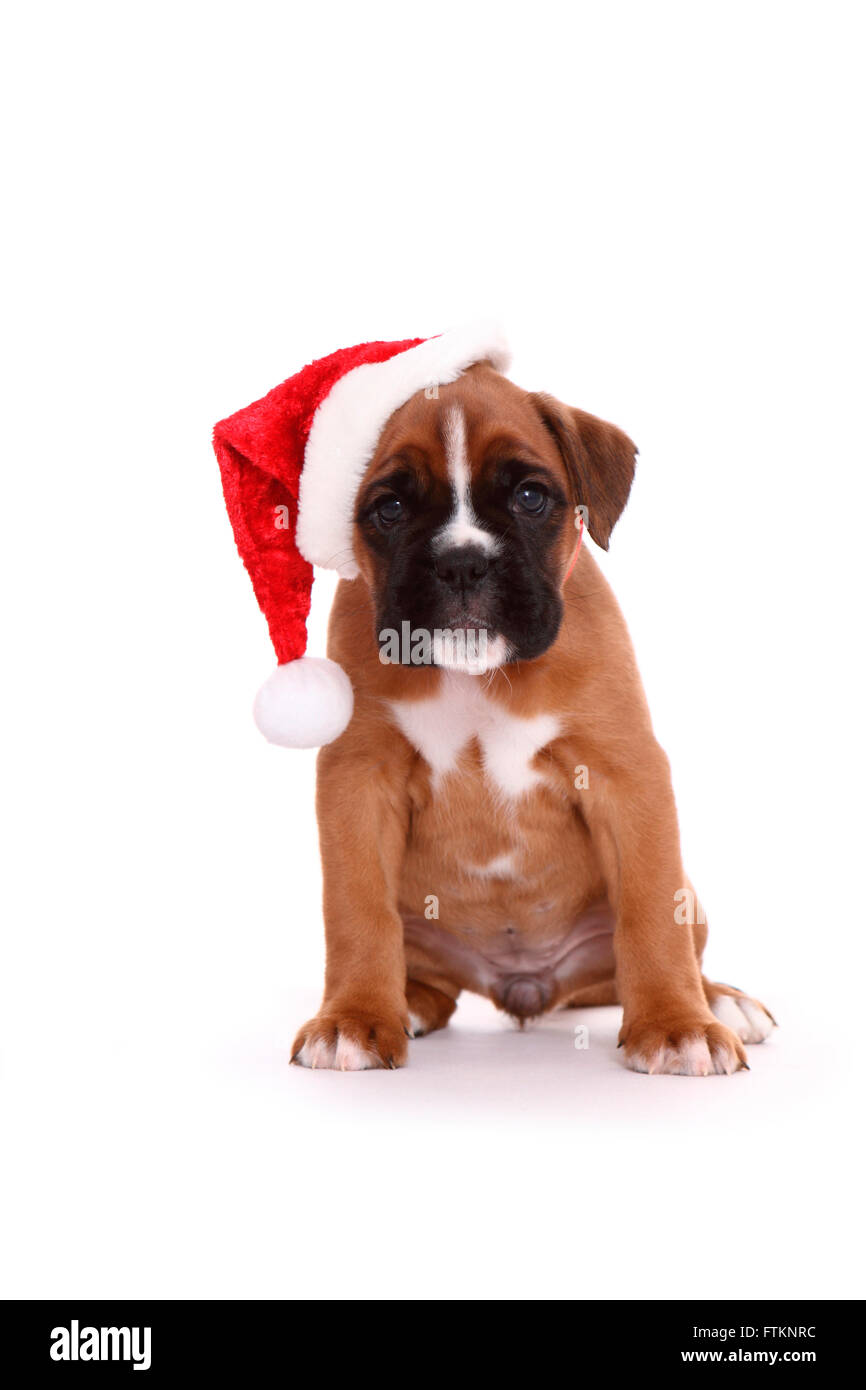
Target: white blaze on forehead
(462,527)
(349,422)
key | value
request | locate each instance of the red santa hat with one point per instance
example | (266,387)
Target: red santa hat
(291,466)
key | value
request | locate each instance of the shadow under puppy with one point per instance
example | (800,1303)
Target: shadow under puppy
(495,813)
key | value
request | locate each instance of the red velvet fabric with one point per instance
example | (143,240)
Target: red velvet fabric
(261,453)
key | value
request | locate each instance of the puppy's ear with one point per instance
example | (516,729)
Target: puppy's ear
(600,460)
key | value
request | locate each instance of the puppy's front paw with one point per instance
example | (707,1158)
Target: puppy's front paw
(351,1040)
(689,1047)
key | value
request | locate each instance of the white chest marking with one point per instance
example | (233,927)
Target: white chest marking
(462,527)
(440,729)
(503,866)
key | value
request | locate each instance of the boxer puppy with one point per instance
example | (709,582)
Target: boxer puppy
(498,816)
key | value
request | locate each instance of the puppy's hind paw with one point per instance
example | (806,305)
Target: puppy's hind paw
(746,1017)
(429,1008)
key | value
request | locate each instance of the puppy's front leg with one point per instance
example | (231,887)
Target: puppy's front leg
(363,818)
(667,1024)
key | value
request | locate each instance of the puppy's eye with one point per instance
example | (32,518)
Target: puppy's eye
(531,497)
(389,510)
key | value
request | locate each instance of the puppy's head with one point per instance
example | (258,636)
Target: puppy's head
(466,521)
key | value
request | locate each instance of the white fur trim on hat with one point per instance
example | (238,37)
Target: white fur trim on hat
(347,425)
(304,703)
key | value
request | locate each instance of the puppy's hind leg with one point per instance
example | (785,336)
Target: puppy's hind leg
(592,996)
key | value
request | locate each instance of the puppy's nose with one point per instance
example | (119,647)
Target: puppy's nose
(462,566)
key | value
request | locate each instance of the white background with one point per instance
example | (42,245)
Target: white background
(663,204)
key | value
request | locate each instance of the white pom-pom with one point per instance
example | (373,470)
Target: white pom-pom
(304,703)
